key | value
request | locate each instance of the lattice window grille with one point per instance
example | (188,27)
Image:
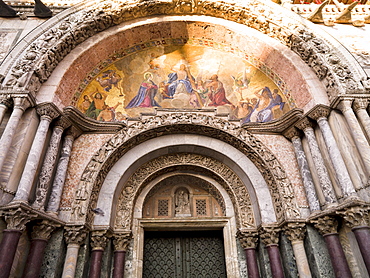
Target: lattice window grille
(162,207)
(201,207)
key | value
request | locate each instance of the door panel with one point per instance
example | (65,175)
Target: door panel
(184,254)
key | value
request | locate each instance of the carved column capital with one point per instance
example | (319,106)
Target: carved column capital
(63,123)
(43,230)
(16,219)
(355,216)
(99,239)
(360,103)
(48,110)
(75,234)
(345,105)
(247,239)
(326,225)
(270,235)
(5,99)
(320,111)
(121,241)
(304,123)
(295,231)
(21,102)
(291,133)
(73,132)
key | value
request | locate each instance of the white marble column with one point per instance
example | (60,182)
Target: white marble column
(320,114)
(49,163)
(359,106)
(61,172)
(20,105)
(293,135)
(295,233)
(47,113)
(5,103)
(74,237)
(325,182)
(359,137)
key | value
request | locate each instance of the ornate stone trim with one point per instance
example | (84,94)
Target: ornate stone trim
(99,240)
(44,230)
(17,219)
(319,111)
(233,185)
(295,231)
(182,123)
(248,239)
(40,58)
(355,216)
(75,234)
(49,110)
(326,224)
(121,241)
(270,235)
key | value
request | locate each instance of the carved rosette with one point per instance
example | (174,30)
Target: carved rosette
(326,225)
(48,110)
(247,239)
(43,230)
(355,216)
(121,241)
(98,167)
(320,111)
(75,234)
(295,231)
(99,240)
(270,235)
(18,218)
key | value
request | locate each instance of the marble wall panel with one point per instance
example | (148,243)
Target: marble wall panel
(284,152)
(83,149)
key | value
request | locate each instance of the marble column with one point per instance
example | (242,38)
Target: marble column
(5,103)
(120,242)
(16,224)
(47,113)
(359,106)
(296,233)
(248,241)
(322,172)
(270,237)
(359,137)
(40,237)
(74,237)
(357,219)
(61,172)
(98,243)
(320,114)
(327,226)
(20,105)
(313,201)
(49,163)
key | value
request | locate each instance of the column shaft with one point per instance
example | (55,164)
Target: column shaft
(365,120)
(70,260)
(306,174)
(8,247)
(95,263)
(60,175)
(35,257)
(119,264)
(275,261)
(3,109)
(7,137)
(33,160)
(252,265)
(362,234)
(357,134)
(341,172)
(337,257)
(47,168)
(301,259)
(322,172)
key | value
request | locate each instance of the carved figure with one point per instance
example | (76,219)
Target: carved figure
(182,205)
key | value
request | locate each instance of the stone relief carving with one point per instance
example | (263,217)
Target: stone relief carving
(17,219)
(44,230)
(270,235)
(75,234)
(121,241)
(295,231)
(191,123)
(355,216)
(248,239)
(182,204)
(326,225)
(234,186)
(99,240)
(45,52)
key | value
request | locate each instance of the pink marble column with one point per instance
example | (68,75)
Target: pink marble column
(248,241)
(270,237)
(8,247)
(98,242)
(40,237)
(120,242)
(362,234)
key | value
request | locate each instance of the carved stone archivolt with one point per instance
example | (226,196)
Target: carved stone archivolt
(183,123)
(39,59)
(232,183)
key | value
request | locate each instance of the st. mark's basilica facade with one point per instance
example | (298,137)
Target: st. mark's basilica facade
(185,138)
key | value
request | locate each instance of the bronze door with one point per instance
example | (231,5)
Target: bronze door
(184,255)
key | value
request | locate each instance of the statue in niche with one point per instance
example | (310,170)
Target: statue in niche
(182,204)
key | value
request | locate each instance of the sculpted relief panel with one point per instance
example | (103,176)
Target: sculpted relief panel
(183,74)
